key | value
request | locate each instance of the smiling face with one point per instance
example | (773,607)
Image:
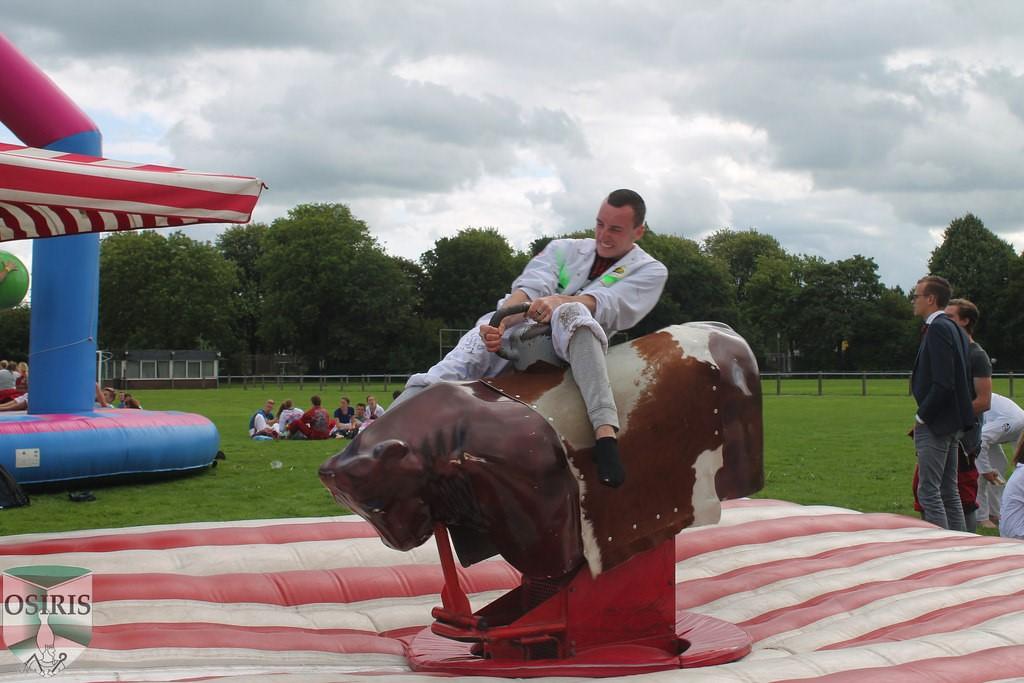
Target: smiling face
(615,231)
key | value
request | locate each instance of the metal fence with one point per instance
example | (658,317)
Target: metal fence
(822,383)
(322,382)
(862,383)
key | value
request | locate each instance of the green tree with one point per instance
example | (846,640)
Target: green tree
(767,311)
(465,275)
(832,311)
(1010,324)
(164,292)
(885,335)
(242,246)
(740,250)
(14,324)
(977,263)
(204,281)
(332,294)
(698,287)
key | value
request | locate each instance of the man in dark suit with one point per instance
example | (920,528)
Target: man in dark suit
(942,387)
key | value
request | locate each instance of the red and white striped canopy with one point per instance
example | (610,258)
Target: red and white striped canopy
(44,193)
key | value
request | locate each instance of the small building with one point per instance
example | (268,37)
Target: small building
(160,369)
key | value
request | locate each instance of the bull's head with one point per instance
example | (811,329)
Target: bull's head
(382,482)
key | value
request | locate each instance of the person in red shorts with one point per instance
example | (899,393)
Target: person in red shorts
(315,423)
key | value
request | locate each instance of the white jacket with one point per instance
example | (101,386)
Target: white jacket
(625,293)
(1004,422)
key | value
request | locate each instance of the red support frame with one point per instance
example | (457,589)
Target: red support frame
(623,621)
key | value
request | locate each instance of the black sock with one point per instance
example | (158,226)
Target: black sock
(609,467)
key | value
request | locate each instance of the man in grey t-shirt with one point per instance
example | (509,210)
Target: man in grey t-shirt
(965,314)
(7,377)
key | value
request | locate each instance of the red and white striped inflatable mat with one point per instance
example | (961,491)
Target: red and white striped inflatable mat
(825,593)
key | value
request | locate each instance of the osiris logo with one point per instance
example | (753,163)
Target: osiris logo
(33,604)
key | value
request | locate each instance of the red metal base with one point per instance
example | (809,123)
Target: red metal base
(703,641)
(622,622)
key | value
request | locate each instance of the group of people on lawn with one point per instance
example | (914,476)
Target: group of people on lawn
(13,386)
(315,423)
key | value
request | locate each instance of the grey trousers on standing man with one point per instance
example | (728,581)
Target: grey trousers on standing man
(936,487)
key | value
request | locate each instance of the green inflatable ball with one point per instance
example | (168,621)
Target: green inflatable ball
(14,285)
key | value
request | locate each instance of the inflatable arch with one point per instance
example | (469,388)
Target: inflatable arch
(60,186)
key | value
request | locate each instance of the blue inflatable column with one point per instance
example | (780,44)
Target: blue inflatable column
(65,301)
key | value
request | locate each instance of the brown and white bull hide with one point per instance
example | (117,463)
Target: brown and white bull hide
(689,404)
(506,464)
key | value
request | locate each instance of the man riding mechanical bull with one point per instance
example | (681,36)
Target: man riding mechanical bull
(527,464)
(586,289)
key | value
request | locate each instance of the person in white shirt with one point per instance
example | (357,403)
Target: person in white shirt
(262,421)
(1004,423)
(286,416)
(586,289)
(7,378)
(373,409)
(1011,523)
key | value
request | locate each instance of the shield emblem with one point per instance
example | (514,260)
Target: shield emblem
(47,615)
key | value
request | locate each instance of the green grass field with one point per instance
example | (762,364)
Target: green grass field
(838,449)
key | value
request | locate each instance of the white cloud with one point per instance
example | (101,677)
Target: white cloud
(840,128)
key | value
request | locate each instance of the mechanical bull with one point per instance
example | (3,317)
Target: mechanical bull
(504,464)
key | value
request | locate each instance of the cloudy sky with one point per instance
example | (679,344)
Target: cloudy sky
(840,128)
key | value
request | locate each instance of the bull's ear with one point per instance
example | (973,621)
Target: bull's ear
(396,454)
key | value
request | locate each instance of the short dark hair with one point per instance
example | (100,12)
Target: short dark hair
(346,399)
(315,400)
(620,198)
(966,310)
(938,287)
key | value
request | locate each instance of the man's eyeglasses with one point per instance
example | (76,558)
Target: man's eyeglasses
(916,296)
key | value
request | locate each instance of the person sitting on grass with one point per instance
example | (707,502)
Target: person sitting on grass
(104,397)
(344,412)
(21,377)
(348,430)
(1011,519)
(315,424)
(7,378)
(286,415)
(16,403)
(20,383)
(262,421)
(373,409)
(343,416)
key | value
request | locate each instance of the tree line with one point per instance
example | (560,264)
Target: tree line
(318,286)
